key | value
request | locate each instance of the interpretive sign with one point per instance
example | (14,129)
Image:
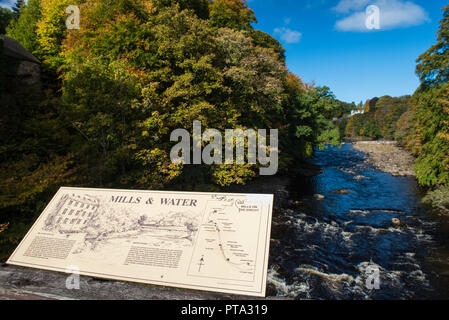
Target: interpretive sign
(205,241)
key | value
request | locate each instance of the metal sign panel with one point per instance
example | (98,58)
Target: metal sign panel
(204,241)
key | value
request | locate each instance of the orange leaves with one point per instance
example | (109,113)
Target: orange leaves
(3,227)
(138,73)
(294,82)
(149,7)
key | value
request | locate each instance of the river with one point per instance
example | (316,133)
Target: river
(329,248)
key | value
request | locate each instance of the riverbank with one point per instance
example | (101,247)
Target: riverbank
(438,199)
(388,157)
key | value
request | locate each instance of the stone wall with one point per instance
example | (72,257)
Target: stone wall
(29,73)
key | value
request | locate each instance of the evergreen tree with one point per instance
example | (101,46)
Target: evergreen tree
(6,16)
(24,28)
(432,111)
(433,65)
(16,9)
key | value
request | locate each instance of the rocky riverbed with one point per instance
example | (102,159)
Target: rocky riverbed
(388,157)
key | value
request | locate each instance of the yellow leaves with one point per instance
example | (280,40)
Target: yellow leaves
(125,17)
(159,170)
(29,181)
(51,28)
(294,82)
(149,7)
(226,175)
(444,136)
(136,72)
(3,227)
(444,100)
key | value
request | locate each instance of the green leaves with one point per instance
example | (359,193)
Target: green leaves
(432,117)
(114,91)
(233,14)
(381,119)
(137,70)
(6,16)
(433,65)
(24,28)
(432,110)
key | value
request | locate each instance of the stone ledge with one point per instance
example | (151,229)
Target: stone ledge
(19,283)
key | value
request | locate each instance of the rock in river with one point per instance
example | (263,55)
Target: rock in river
(341,191)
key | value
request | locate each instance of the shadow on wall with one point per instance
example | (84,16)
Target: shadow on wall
(22,67)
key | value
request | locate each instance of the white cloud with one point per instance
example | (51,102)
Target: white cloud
(288,35)
(355,22)
(393,14)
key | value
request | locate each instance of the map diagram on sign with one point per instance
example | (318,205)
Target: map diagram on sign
(206,241)
(221,251)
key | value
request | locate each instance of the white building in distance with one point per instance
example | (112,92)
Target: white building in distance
(356,112)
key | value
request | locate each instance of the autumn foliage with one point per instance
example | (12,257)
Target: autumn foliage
(113,91)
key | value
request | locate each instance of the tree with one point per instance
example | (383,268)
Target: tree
(308,113)
(234,14)
(432,126)
(16,9)
(139,69)
(432,111)
(387,112)
(186,71)
(34,157)
(200,7)
(382,119)
(6,16)
(433,65)
(264,40)
(51,32)
(136,71)
(24,28)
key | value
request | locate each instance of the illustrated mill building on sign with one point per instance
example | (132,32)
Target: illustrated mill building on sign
(73,214)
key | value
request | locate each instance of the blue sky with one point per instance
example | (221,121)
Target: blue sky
(7,3)
(327,42)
